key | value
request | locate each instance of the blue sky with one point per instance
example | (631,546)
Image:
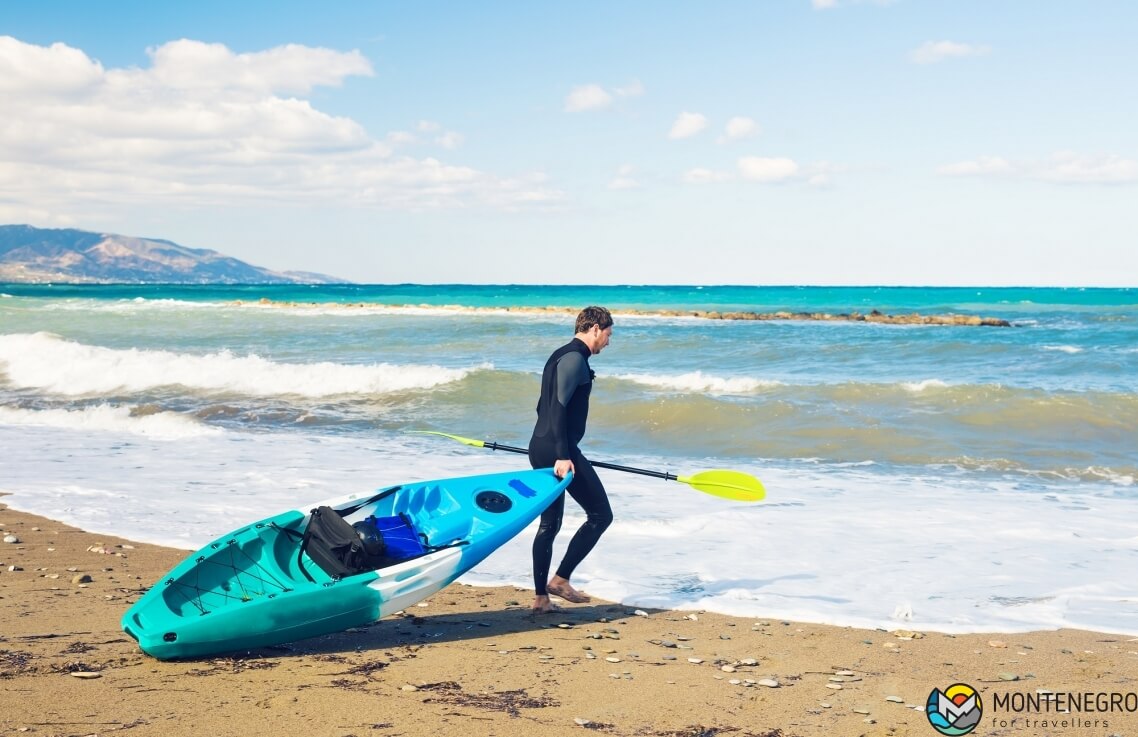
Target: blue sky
(915,142)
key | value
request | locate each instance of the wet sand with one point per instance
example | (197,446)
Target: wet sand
(473,661)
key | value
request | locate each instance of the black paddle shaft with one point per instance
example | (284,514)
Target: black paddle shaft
(599,464)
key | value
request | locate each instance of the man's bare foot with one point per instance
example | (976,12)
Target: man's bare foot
(542,605)
(561,588)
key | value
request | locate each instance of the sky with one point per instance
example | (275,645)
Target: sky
(766,142)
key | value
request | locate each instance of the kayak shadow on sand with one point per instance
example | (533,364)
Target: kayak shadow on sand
(412,629)
(418,626)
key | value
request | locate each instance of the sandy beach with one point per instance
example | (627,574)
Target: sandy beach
(474,661)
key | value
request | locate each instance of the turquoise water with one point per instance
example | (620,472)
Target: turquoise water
(1009,452)
(839,299)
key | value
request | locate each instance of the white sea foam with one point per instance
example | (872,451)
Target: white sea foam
(1071,349)
(127,306)
(50,363)
(919,386)
(698,381)
(115,419)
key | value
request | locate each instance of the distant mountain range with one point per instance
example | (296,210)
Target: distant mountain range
(30,254)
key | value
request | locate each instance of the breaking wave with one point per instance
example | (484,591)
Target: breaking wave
(47,362)
(161,425)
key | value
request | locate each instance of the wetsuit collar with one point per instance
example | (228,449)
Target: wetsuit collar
(581,347)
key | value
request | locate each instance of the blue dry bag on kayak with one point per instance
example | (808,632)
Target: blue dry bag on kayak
(391,537)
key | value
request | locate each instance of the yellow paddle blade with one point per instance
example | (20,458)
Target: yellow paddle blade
(735,485)
(465,441)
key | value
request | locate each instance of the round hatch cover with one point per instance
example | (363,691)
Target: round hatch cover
(493,501)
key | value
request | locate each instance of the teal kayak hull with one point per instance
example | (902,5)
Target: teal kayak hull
(254,587)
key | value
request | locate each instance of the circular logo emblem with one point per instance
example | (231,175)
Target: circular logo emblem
(955,710)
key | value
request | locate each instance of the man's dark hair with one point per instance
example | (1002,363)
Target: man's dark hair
(591,316)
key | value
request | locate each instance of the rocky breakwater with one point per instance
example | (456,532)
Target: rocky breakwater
(912,318)
(874,316)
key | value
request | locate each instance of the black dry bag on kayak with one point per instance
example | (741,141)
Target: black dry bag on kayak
(335,545)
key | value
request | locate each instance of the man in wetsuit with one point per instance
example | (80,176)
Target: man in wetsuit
(562,411)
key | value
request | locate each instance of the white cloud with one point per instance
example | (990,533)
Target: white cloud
(624,178)
(1071,168)
(587,97)
(58,69)
(739,128)
(830,4)
(1064,167)
(762,169)
(820,174)
(194,65)
(983,166)
(401,138)
(701,175)
(771,170)
(932,52)
(687,125)
(450,140)
(204,125)
(632,89)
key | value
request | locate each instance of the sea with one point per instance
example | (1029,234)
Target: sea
(923,477)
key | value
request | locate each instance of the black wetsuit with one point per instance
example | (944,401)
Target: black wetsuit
(562,411)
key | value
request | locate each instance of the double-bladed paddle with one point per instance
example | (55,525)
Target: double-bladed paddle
(734,485)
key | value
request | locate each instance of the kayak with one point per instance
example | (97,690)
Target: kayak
(344,563)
